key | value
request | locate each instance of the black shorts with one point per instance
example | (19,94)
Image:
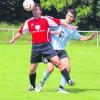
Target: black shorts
(41,50)
(61,54)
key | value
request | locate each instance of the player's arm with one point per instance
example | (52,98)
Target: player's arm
(85,38)
(17,35)
(58,30)
(62,22)
(23,29)
(59,22)
(55,32)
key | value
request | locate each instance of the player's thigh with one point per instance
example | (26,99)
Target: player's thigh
(50,67)
(55,60)
(36,57)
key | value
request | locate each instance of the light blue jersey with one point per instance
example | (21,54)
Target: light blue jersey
(59,42)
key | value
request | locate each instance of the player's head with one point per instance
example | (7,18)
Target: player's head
(70,15)
(37,11)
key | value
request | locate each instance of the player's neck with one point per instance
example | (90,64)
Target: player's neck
(37,17)
(67,21)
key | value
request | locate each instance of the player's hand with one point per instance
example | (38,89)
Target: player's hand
(72,27)
(54,32)
(94,35)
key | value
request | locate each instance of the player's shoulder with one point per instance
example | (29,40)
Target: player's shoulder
(30,19)
(63,20)
(48,17)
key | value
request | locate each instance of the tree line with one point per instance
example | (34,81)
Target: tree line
(88,11)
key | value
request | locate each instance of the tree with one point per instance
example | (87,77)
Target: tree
(58,4)
(12,11)
(85,10)
(88,11)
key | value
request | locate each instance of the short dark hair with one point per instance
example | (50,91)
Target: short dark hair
(38,5)
(72,11)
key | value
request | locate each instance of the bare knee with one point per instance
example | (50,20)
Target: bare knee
(50,67)
(32,71)
(55,60)
(60,65)
(67,67)
(33,68)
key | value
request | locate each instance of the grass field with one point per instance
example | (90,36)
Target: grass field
(14,68)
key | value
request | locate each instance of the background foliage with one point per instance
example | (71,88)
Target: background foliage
(88,11)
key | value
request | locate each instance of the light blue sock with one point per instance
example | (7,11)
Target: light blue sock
(45,76)
(63,81)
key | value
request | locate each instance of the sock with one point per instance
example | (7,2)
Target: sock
(32,79)
(44,77)
(65,74)
(61,87)
(62,82)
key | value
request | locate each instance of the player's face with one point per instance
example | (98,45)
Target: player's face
(69,17)
(37,12)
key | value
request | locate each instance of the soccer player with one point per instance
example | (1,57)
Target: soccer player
(39,27)
(58,42)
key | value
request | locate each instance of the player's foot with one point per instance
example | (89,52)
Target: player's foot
(31,88)
(61,90)
(71,82)
(39,88)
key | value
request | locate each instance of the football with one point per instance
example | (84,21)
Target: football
(28,5)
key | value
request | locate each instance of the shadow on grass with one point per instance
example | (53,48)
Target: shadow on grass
(77,90)
(74,90)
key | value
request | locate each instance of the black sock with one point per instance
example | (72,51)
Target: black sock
(61,87)
(65,74)
(32,79)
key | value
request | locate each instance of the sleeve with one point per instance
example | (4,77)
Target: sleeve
(24,28)
(58,29)
(53,28)
(56,20)
(76,35)
(53,21)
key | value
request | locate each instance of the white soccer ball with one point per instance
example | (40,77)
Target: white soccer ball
(28,5)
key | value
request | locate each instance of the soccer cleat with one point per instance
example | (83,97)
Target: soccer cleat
(71,83)
(39,88)
(61,90)
(31,88)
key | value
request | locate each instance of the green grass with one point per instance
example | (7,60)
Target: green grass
(6,25)
(14,68)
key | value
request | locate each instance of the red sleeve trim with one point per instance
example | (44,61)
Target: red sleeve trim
(56,20)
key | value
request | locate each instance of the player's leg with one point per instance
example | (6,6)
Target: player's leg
(62,68)
(51,54)
(45,76)
(65,61)
(32,76)
(50,67)
(35,59)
